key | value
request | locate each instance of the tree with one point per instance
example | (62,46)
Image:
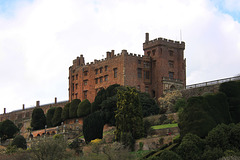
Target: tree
(149,106)
(93,126)
(7,129)
(49,117)
(84,108)
(100,97)
(65,112)
(56,120)
(129,118)
(20,142)
(38,119)
(169,155)
(73,108)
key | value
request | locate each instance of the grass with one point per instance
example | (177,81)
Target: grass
(165,126)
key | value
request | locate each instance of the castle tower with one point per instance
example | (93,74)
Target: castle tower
(168,65)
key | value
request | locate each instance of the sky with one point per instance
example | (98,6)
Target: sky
(40,38)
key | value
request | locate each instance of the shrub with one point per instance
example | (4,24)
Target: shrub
(93,126)
(65,112)
(56,120)
(20,142)
(7,129)
(49,116)
(38,119)
(169,155)
(212,153)
(73,108)
(84,108)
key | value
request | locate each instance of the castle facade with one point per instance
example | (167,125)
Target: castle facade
(161,68)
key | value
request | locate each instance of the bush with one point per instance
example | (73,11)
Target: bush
(56,120)
(73,108)
(169,155)
(93,126)
(84,108)
(147,126)
(20,142)
(49,117)
(38,119)
(212,153)
(65,112)
(7,129)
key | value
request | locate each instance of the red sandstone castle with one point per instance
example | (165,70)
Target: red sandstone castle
(161,68)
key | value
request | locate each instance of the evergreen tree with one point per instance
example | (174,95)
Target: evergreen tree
(73,108)
(129,118)
(49,117)
(20,142)
(7,129)
(65,112)
(38,119)
(84,108)
(56,120)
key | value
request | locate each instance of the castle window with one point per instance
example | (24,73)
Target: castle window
(170,52)
(100,69)
(146,89)
(96,71)
(85,94)
(171,64)
(146,75)
(85,73)
(72,87)
(171,75)
(146,64)
(139,72)
(106,68)
(148,53)
(153,52)
(85,82)
(101,79)
(139,61)
(76,85)
(76,76)
(72,77)
(115,72)
(106,78)
(96,80)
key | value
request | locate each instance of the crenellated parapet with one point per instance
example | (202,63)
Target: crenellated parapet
(162,42)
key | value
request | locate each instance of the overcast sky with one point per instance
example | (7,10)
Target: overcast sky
(40,38)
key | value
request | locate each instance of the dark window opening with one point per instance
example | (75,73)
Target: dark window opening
(171,75)
(171,64)
(85,94)
(100,69)
(106,78)
(115,72)
(139,72)
(106,68)
(96,71)
(101,79)
(96,81)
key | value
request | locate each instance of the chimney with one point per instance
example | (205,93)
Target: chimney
(109,55)
(112,53)
(147,38)
(55,100)
(82,62)
(23,107)
(124,51)
(4,110)
(37,103)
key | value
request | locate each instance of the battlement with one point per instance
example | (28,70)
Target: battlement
(162,42)
(110,55)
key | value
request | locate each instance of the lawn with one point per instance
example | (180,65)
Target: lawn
(165,126)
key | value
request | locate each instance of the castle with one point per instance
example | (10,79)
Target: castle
(161,68)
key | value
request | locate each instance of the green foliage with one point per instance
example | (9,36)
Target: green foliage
(169,155)
(129,118)
(112,90)
(38,119)
(20,142)
(56,120)
(235,136)
(231,89)
(49,116)
(147,127)
(7,129)
(180,104)
(212,153)
(101,96)
(149,106)
(65,112)
(49,149)
(127,140)
(73,108)
(84,108)
(93,126)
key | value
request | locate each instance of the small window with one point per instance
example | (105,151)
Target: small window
(96,80)
(153,52)
(73,87)
(146,89)
(170,52)
(85,73)
(76,86)
(148,53)
(115,72)
(139,72)
(85,82)
(96,71)
(72,77)
(100,69)
(106,68)
(76,76)
(106,78)
(171,75)
(146,75)
(101,79)
(171,64)
(85,94)
(146,64)
(139,61)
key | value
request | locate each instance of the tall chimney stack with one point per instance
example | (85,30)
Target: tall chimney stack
(55,100)
(4,110)
(147,37)
(23,107)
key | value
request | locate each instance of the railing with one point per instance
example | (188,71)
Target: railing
(172,79)
(210,83)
